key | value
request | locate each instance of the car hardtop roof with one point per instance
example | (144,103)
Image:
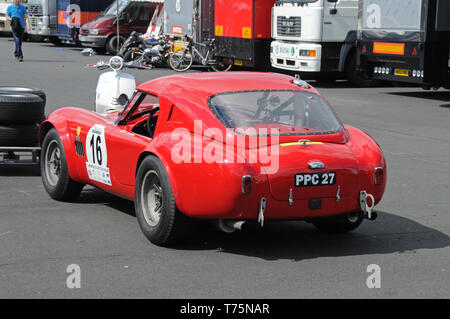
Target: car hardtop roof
(205,84)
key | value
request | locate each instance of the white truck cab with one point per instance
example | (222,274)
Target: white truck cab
(314,35)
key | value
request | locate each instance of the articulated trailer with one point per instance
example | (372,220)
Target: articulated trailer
(405,41)
(241,27)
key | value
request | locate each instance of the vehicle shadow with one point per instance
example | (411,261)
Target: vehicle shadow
(297,240)
(443,96)
(12,170)
(92,195)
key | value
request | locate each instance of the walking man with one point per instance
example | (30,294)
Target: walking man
(17,14)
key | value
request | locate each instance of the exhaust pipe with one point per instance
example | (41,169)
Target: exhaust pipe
(229,226)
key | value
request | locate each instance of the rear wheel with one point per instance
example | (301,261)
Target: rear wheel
(339,224)
(181,61)
(158,217)
(54,170)
(356,78)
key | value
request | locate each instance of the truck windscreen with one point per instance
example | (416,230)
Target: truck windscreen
(391,15)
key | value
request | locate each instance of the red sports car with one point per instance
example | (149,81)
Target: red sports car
(229,147)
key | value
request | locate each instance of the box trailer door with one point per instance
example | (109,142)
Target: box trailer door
(178,17)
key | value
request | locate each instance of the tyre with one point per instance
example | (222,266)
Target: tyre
(339,224)
(156,211)
(19,90)
(111,44)
(21,108)
(55,40)
(19,135)
(180,61)
(54,171)
(221,67)
(356,78)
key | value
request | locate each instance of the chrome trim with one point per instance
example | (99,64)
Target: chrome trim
(316,165)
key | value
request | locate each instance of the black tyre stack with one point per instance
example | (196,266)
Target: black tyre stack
(21,112)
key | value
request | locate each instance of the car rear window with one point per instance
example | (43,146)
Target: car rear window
(289,112)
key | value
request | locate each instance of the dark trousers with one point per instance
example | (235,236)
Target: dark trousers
(18,38)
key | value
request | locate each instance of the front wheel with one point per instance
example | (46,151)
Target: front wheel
(181,61)
(339,224)
(111,44)
(156,211)
(54,171)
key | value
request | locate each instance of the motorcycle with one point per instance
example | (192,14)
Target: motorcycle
(145,53)
(115,88)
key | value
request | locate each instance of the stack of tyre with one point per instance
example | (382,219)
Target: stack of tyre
(21,112)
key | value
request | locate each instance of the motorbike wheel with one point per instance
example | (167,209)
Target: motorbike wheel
(131,56)
(180,61)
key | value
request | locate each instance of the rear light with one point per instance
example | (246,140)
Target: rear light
(246,186)
(378,176)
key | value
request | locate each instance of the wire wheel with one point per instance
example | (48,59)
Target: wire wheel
(53,163)
(152,200)
(181,61)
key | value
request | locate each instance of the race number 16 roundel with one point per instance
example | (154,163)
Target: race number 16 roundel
(97,155)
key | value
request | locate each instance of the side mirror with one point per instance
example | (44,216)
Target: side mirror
(87,52)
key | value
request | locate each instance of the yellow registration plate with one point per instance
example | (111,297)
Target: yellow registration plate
(401,72)
(238,62)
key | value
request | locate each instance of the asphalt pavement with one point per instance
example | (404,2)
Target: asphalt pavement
(40,238)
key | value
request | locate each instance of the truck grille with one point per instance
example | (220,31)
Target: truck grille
(33,22)
(291,27)
(35,9)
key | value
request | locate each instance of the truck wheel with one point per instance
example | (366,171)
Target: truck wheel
(111,44)
(55,40)
(54,171)
(356,78)
(339,224)
(19,135)
(158,217)
(21,108)
(19,90)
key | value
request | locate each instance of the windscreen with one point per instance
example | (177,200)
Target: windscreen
(112,9)
(392,14)
(289,112)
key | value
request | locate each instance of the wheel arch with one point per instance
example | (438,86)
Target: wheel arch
(347,48)
(62,130)
(169,172)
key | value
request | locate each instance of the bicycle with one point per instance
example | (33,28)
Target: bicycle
(181,60)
